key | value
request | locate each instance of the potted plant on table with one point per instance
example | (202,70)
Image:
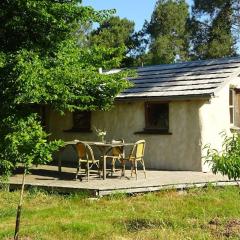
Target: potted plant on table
(101,134)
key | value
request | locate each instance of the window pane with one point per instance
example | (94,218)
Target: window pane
(231,115)
(41,111)
(157,116)
(231,97)
(82,120)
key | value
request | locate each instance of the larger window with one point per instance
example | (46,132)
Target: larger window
(81,121)
(41,111)
(157,116)
(232,106)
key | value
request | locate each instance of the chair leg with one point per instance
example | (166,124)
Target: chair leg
(123,168)
(99,170)
(78,167)
(88,171)
(113,166)
(132,168)
(144,170)
(136,172)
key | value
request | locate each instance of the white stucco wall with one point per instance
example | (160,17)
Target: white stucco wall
(193,124)
(215,120)
(179,151)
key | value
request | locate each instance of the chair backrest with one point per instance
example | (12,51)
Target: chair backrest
(117,151)
(138,149)
(84,151)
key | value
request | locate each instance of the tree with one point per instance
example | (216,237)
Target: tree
(168,32)
(215,28)
(116,33)
(43,62)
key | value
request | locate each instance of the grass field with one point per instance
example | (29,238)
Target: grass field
(211,213)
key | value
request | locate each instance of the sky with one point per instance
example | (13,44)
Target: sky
(135,10)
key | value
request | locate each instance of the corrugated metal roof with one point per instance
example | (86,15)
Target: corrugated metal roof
(196,79)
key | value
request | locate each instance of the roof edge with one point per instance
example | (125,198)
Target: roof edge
(228,80)
(167,98)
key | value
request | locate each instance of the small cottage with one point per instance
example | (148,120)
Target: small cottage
(176,108)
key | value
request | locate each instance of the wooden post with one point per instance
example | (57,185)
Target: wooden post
(19,209)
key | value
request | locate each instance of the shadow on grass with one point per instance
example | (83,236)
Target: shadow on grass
(139,224)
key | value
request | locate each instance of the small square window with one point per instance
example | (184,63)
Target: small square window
(157,116)
(81,121)
(41,111)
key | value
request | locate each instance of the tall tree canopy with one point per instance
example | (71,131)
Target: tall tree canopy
(168,31)
(215,28)
(116,33)
(42,61)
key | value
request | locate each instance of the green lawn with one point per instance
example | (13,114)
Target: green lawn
(212,213)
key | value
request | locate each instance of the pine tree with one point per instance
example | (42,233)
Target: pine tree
(119,34)
(168,31)
(214,28)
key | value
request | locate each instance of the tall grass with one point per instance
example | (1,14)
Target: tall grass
(212,213)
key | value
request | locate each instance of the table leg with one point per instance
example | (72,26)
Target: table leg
(59,165)
(104,168)
(59,160)
(103,150)
(59,154)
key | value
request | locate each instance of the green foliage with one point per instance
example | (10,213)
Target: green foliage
(163,50)
(213,32)
(26,144)
(226,162)
(114,32)
(44,60)
(168,31)
(73,70)
(43,24)
(119,34)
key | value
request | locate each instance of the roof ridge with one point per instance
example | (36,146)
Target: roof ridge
(190,62)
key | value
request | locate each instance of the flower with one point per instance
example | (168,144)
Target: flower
(100,133)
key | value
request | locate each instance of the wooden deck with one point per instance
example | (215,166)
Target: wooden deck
(48,178)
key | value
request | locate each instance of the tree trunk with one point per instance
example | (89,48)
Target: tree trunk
(19,209)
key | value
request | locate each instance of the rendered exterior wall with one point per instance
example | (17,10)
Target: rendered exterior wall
(215,119)
(179,151)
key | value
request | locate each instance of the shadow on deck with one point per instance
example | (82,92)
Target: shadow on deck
(48,178)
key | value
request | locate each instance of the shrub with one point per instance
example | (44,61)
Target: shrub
(227,161)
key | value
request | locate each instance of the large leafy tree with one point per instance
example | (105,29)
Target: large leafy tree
(43,61)
(168,31)
(215,28)
(119,34)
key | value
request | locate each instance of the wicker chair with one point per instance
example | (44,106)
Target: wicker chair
(86,156)
(134,158)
